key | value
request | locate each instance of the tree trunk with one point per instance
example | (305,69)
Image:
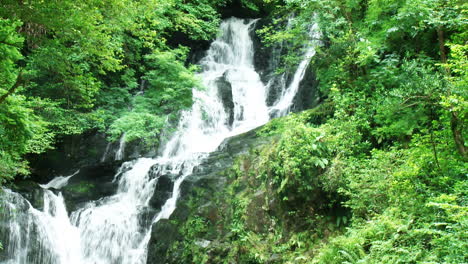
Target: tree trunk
(440,37)
(455,123)
(457,130)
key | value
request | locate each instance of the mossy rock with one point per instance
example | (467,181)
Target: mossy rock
(82,187)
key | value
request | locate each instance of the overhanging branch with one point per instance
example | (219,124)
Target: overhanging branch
(13,88)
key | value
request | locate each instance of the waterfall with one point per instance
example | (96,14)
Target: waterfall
(16,241)
(112,229)
(119,155)
(283,105)
(40,236)
(104,155)
(58,182)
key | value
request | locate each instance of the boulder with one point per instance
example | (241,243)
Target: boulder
(163,234)
(225,92)
(31,191)
(90,184)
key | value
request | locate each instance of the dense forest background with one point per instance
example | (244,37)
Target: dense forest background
(73,66)
(375,174)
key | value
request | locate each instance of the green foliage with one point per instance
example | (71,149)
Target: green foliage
(198,18)
(248,222)
(170,83)
(398,122)
(21,130)
(405,97)
(391,150)
(10,45)
(69,67)
(137,126)
(295,162)
(169,89)
(384,156)
(252,5)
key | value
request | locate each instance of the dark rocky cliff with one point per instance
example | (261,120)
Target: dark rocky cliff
(267,61)
(208,178)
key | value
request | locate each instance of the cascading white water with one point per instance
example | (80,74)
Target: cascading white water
(121,150)
(18,225)
(38,237)
(54,228)
(110,230)
(283,105)
(104,155)
(58,182)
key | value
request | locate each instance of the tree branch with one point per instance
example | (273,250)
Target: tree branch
(9,44)
(19,78)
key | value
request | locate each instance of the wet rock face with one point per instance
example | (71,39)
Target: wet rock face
(31,191)
(70,153)
(225,91)
(95,182)
(90,149)
(162,192)
(308,95)
(208,177)
(90,184)
(223,158)
(267,61)
(162,237)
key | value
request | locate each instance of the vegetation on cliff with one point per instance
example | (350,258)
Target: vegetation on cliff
(310,198)
(375,174)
